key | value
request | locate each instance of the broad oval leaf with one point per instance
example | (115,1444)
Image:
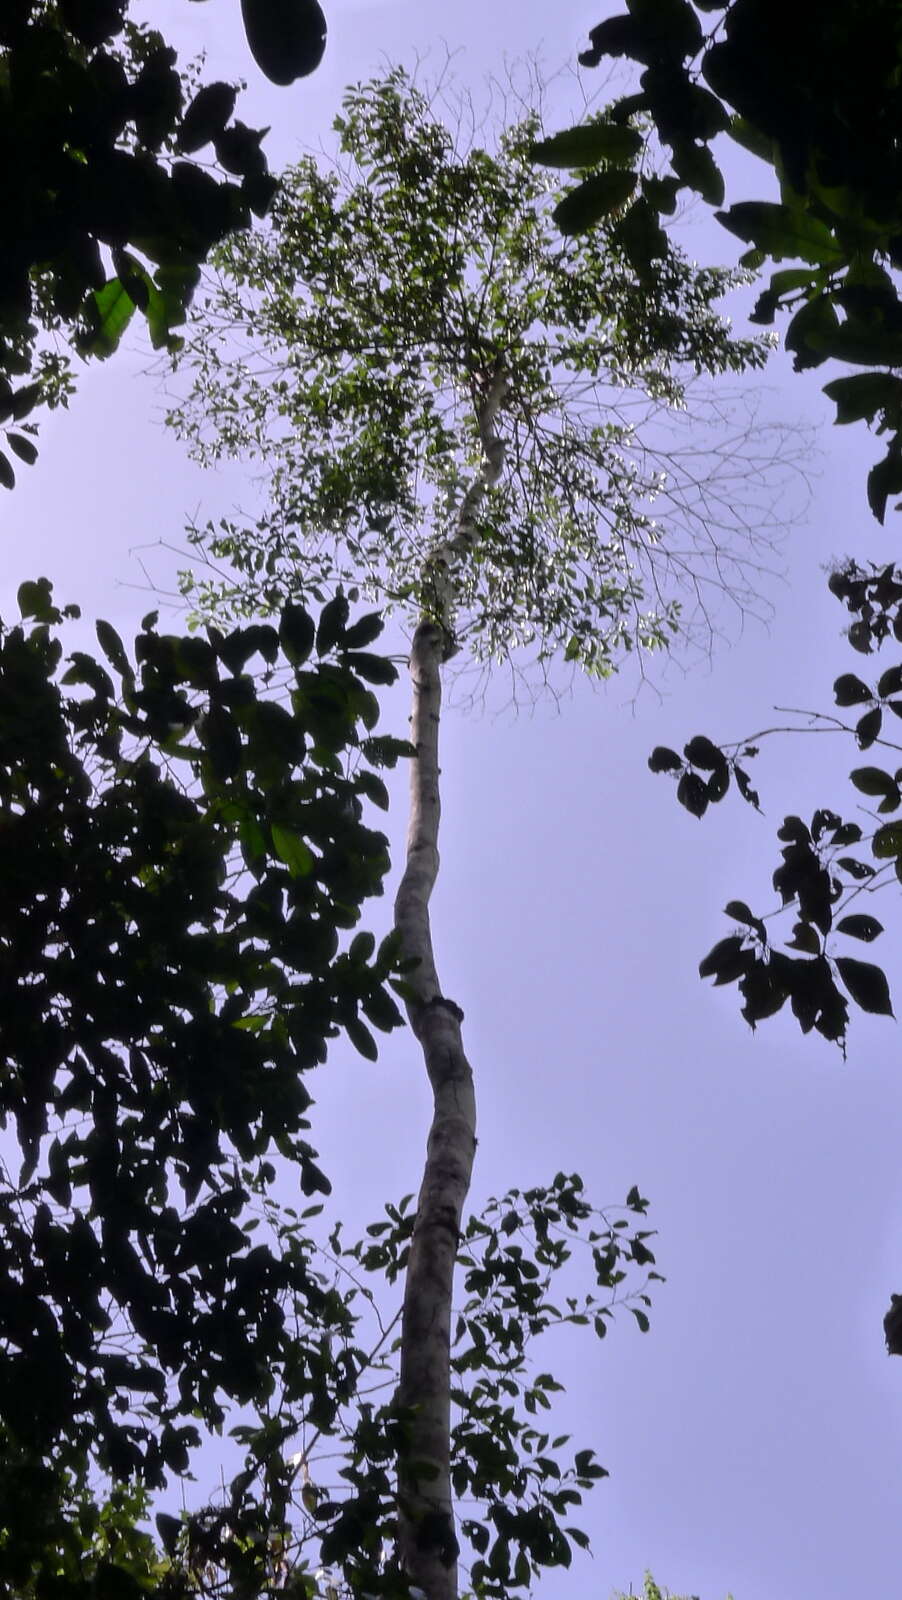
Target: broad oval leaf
(866,984)
(597,197)
(692,793)
(664,760)
(287,38)
(860,926)
(332,622)
(23,447)
(702,752)
(587,144)
(887,841)
(849,690)
(291,848)
(872,781)
(868,727)
(297,631)
(781,231)
(727,960)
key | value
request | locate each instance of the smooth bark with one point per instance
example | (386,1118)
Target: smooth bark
(427,1541)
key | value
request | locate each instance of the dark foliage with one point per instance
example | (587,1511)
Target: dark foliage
(178,852)
(814,89)
(103,214)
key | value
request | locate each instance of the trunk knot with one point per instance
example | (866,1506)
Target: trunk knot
(449,1005)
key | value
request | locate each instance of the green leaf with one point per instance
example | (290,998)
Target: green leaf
(860,926)
(332,622)
(206,116)
(112,310)
(885,479)
(727,960)
(7,475)
(291,848)
(113,648)
(890,682)
(866,984)
(693,794)
(849,690)
(702,752)
(587,144)
(695,165)
(872,781)
(811,333)
(739,911)
(780,230)
(221,739)
(373,669)
(361,1038)
(664,760)
(35,599)
(887,841)
(287,38)
(597,197)
(362,947)
(867,729)
(363,632)
(864,394)
(297,631)
(22,447)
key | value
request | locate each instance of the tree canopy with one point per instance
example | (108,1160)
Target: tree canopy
(410,313)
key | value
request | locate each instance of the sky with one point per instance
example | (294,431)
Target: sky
(754,1436)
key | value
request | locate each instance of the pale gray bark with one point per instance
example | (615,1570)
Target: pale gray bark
(427,1543)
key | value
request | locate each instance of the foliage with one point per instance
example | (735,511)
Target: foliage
(178,854)
(352,346)
(830,867)
(103,214)
(813,90)
(321,1519)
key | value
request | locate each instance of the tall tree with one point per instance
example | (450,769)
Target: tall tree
(482,426)
(104,211)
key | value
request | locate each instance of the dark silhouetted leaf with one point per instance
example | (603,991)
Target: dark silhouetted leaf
(586,145)
(701,752)
(664,760)
(850,691)
(333,619)
(860,926)
(727,961)
(868,727)
(693,794)
(866,984)
(287,38)
(23,447)
(297,632)
(597,196)
(872,781)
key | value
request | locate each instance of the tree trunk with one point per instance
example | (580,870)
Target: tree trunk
(427,1543)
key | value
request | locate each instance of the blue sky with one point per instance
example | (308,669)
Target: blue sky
(754,1436)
